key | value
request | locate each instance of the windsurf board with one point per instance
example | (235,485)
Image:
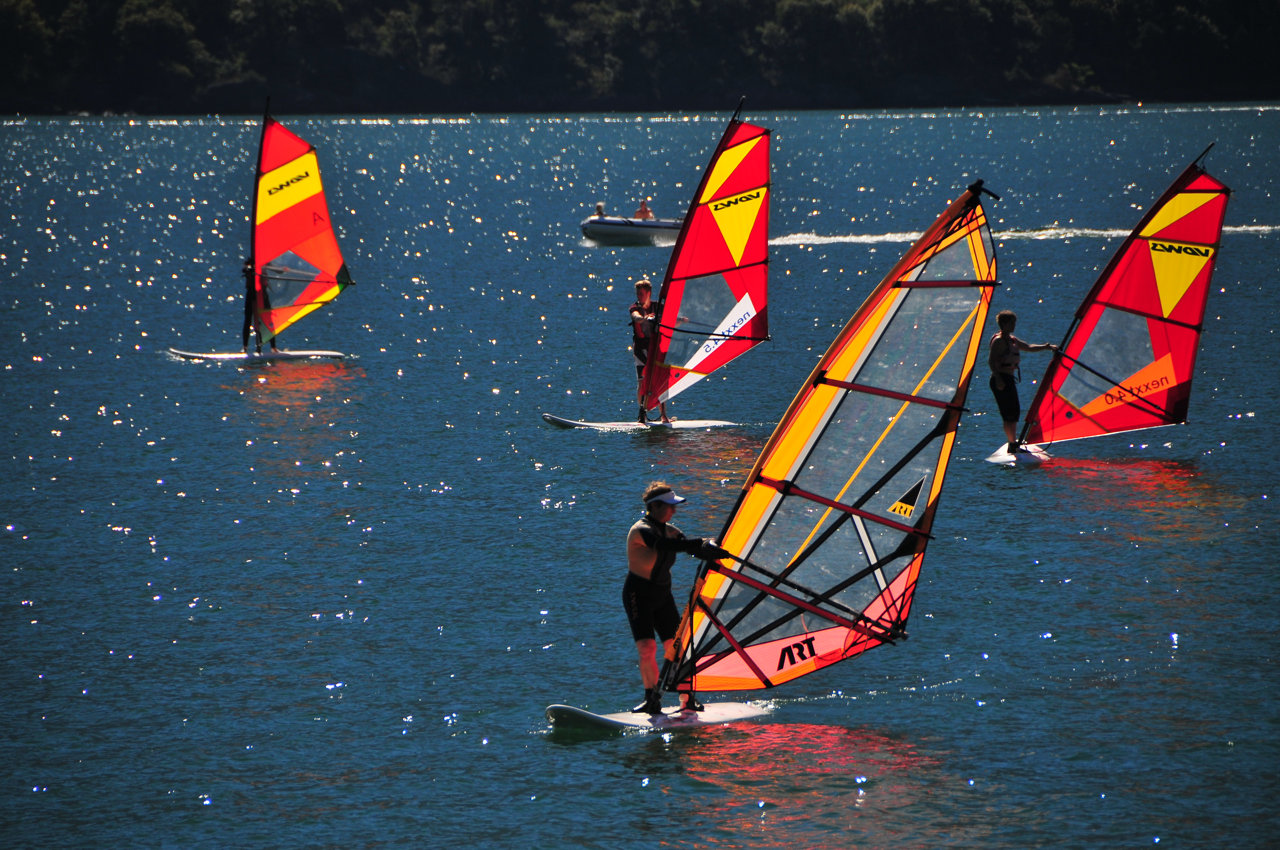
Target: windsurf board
(673,425)
(255,357)
(1028,454)
(713,714)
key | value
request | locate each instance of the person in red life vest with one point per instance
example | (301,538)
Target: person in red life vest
(644,321)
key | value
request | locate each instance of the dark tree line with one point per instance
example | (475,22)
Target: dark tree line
(426,56)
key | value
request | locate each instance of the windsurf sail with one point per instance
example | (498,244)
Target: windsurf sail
(714,294)
(828,535)
(1128,357)
(297,263)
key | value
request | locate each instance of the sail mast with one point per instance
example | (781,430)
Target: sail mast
(254,309)
(257,174)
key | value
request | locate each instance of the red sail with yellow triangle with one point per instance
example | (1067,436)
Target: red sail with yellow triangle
(1129,357)
(714,294)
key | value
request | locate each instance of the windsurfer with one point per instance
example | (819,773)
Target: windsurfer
(251,318)
(644,319)
(1004,358)
(652,544)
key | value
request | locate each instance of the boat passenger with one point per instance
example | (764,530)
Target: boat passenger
(643,212)
(600,210)
(652,545)
(1005,354)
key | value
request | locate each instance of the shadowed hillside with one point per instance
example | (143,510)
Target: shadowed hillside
(198,56)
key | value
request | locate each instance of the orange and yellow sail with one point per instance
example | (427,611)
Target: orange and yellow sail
(1129,356)
(714,295)
(828,535)
(297,263)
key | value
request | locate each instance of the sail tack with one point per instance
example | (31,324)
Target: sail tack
(714,294)
(829,532)
(1129,355)
(295,252)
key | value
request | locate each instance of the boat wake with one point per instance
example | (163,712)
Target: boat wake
(1037,234)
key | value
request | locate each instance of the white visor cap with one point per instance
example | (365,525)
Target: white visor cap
(667,497)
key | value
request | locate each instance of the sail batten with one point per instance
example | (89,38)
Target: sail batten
(714,295)
(829,531)
(297,262)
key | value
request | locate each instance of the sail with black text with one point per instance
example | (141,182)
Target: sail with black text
(714,295)
(297,263)
(828,536)
(1128,358)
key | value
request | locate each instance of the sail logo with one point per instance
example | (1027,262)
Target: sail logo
(306,175)
(741,199)
(1171,248)
(905,505)
(727,331)
(1123,395)
(793,654)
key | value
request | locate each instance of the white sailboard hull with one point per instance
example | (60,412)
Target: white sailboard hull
(1029,455)
(713,714)
(254,357)
(674,425)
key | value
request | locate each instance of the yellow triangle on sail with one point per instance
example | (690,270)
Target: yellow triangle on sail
(728,163)
(736,217)
(1176,267)
(1179,206)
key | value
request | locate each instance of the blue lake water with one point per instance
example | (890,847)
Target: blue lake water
(324,604)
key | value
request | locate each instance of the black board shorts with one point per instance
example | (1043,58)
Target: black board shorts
(650,608)
(1007,398)
(640,351)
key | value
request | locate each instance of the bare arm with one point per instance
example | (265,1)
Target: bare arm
(640,558)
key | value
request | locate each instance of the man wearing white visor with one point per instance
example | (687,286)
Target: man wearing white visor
(652,544)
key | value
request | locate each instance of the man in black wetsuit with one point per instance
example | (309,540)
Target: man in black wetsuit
(250,325)
(652,544)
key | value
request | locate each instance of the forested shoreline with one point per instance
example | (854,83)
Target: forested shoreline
(449,56)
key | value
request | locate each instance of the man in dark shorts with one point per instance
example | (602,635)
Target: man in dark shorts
(1004,358)
(652,544)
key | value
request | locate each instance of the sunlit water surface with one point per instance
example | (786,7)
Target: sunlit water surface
(324,604)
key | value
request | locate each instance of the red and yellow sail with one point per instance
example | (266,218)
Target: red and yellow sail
(1129,357)
(298,265)
(714,294)
(829,533)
